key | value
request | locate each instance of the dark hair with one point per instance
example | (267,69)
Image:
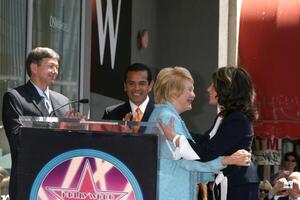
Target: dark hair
(294,154)
(139,67)
(37,55)
(235,91)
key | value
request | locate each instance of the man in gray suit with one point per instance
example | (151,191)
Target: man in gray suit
(32,99)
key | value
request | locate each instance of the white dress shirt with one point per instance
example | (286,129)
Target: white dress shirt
(142,107)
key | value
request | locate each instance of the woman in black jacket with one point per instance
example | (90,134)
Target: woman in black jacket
(232,91)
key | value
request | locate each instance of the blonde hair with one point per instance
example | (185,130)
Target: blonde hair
(169,83)
(265,185)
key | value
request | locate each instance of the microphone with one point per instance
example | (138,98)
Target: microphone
(71,102)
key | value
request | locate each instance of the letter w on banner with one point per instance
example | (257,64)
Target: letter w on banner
(110,46)
(113,30)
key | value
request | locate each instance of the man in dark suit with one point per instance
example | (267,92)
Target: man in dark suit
(291,185)
(137,84)
(32,99)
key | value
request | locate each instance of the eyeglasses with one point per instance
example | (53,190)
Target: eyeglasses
(265,191)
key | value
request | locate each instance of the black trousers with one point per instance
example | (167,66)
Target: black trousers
(248,191)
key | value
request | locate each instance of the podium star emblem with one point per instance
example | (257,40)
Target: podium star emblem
(86,189)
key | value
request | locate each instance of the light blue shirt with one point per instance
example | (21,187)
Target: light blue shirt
(177,179)
(45,94)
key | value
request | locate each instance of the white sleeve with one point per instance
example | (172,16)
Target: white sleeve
(185,150)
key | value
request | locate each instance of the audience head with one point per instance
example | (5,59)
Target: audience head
(4,186)
(290,161)
(138,82)
(176,85)
(4,181)
(264,189)
(232,90)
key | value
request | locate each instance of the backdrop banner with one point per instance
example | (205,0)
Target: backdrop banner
(269,46)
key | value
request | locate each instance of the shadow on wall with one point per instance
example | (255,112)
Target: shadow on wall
(192,118)
(99,103)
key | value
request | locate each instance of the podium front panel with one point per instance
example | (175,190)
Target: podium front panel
(67,164)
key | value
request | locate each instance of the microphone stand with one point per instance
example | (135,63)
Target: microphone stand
(71,102)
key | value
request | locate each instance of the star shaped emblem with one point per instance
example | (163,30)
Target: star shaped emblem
(86,189)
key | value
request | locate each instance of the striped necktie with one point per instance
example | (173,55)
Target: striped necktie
(47,103)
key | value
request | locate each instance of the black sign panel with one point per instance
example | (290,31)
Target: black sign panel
(111,46)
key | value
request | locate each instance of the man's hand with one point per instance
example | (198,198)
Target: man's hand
(73,114)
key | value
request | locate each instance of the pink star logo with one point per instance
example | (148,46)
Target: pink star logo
(86,189)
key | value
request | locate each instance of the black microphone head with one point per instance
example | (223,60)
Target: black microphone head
(84,101)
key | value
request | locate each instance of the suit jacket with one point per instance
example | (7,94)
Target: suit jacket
(280,198)
(235,132)
(25,101)
(177,179)
(118,112)
(283,198)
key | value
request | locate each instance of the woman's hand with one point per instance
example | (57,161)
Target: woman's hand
(168,130)
(240,157)
(127,117)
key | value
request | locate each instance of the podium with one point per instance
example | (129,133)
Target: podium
(72,159)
